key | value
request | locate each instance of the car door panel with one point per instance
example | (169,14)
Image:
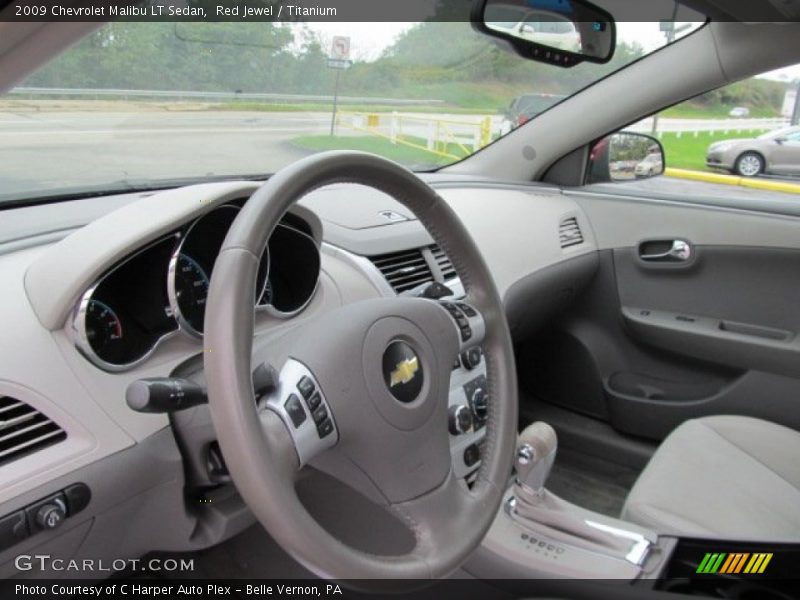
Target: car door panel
(735,306)
(650,345)
(786,155)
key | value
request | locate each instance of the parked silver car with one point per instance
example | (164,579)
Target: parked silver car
(776,152)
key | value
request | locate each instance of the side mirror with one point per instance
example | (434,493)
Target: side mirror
(780,140)
(625,156)
(559,32)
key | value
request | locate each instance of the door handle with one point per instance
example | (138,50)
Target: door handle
(679,251)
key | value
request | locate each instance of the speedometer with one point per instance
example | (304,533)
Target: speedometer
(192,265)
(191,291)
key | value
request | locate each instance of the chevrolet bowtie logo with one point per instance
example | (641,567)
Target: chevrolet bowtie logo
(404,371)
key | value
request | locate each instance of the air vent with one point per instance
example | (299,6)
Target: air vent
(448,272)
(569,233)
(404,270)
(24,430)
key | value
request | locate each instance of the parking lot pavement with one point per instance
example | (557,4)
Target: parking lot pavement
(62,150)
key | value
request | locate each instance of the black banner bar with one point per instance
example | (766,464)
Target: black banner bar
(451,589)
(350,10)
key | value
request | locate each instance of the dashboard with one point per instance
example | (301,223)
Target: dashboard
(101,293)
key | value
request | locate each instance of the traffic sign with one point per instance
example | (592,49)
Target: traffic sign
(340,48)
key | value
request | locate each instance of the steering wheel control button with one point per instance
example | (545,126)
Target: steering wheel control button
(459,419)
(471,358)
(402,372)
(297,397)
(319,415)
(325,428)
(466,318)
(314,401)
(467,310)
(295,410)
(306,387)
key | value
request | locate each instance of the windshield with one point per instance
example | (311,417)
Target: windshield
(135,104)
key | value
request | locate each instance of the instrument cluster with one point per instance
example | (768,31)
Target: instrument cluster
(161,290)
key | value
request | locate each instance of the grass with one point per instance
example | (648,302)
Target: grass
(689,111)
(374,144)
(689,152)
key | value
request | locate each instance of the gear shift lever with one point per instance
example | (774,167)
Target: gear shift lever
(534,506)
(535,456)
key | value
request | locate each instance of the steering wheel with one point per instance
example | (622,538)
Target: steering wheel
(364,386)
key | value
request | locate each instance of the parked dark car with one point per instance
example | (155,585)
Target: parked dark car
(524,108)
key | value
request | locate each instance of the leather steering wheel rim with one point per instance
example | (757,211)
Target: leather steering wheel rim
(449,520)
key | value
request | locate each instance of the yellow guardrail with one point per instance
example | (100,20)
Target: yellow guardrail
(442,141)
(758,184)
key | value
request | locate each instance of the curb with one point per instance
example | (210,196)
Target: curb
(757,184)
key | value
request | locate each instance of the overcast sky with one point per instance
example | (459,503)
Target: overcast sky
(368,40)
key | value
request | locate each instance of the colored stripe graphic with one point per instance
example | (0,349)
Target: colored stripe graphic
(728,562)
(703,564)
(734,563)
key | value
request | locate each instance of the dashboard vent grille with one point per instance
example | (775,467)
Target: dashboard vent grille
(24,430)
(446,266)
(404,270)
(569,233)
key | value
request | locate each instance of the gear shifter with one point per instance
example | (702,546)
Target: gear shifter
(535,456)
(538,509)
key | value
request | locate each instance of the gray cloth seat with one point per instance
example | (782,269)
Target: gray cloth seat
(722,477)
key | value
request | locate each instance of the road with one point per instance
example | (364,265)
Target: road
(57,150)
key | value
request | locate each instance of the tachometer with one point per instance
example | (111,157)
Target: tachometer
(191,292)
(103,327)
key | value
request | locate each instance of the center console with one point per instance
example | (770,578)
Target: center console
(537,535)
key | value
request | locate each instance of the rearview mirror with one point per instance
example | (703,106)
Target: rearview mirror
(625,156)
(560,32)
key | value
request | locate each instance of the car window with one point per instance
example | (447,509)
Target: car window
(716,140)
